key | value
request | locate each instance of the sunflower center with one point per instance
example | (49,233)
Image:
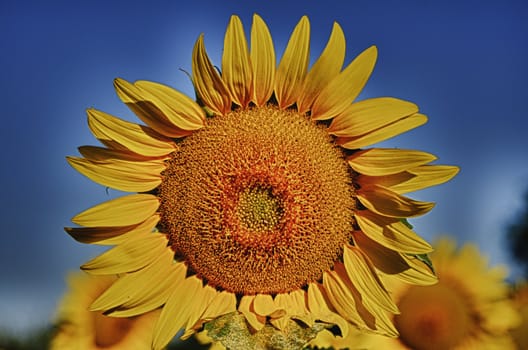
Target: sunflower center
(258,201)
(258,210)
(434,317)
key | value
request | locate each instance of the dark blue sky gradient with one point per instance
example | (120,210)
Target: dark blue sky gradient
(464,63)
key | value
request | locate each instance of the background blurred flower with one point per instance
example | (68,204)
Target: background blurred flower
(467,309)
(81,329)
(520,302)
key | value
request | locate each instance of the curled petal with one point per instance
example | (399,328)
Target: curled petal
(180,109)
(119,134)
(128,256)
(392,263)
(246,307)
(387,161)
(209,86)
(148,109)
(413,179)
(101,154)
(388,203)
(391,233)
(264,305)
(112,235)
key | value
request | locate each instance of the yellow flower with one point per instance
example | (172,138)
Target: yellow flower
(257,198)
(520,302)
(467,309)
(81,329)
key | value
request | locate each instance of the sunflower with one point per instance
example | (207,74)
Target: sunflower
(520,302)
(78,328)
(258,198)
(467,309)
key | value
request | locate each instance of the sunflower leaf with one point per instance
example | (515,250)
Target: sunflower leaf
(426,260)
(406,223)
(231,330)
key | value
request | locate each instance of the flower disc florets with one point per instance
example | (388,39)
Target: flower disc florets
(259,201)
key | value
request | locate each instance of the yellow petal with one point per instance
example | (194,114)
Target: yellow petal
(236,67)
(294,306)
(154,296)
(318,306)
(388,203)
(263,61)
(394,263)
(391,233)
(384,259)
(264,305)
(122,175)
(299,308)
(178,108)
(177,311)
(208,84)
(246,307)
(324,69)
(147,109)
(344,88)
(122,211)
(376,318)
(112,235)
(128,256)
(364,277)
(366,116)
(136,138)
(202,302)
(126,298)
(413,179)
(282,302)
(505,316)
(423,273)
(384,133)
(94,153)
(386,161)
(293,65)
(223,303)
(342,299)
(426,176)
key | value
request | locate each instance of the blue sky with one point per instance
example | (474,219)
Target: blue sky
(463,62)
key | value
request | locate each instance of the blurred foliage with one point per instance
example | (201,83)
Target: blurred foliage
(35,340)
(40,340)
(518,237)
